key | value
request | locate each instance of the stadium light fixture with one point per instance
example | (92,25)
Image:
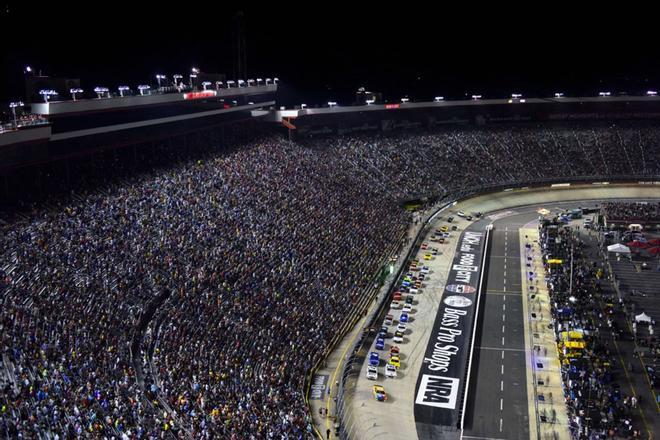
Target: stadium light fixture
(142,88)
(516,95)
(123,89)
(370,101)
(218,85)
(230,83)
(205,84)
(74,92)
(268,81)
(439,98)
(303,106)
(559,95)
(250,82)
(241,83)
(476,97)
(259,81)
(405,100)
(332,104)
(12,106)
(100,91)
(27,69)
(604,94)
(194,70)
(276,81)
(47,94)
(159,78)
(651,93)
(192,78)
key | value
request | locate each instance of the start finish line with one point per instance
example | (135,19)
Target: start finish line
(442,377)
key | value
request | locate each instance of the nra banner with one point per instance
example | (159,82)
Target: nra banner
(442,375)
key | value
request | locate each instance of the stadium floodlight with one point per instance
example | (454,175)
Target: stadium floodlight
(192,78)
(439,98)
(516,95)
(332,103)
(559,95)
(47,94)
(123,89)
(27,69)
(604,94)
(142,88)
(259,81)
(194,70)
(218,85)
(370,101)
(404,100)
(651,93)
(12,106)
(205,84)
(241,83)
(250,82)
(303,106)
(276,80)
(268,81)
(100,91)
(74,92)
(476,97)
(230,83)
(160,77)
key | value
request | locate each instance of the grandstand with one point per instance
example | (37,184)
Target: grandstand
(185,284)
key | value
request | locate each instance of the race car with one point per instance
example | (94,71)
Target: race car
(379,393)
(390,371)
(396,296)
(444,229)
(374,359)
(425,270)
(394,351)
(460,214)
(409,299)
(372,373)
(428,257)
(401,327)
(389,319)
(396,361)
(395,305)
(407,308)
(383,332)
(380,344)
(398,337)
(403,317)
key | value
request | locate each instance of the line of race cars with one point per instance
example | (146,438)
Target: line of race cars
(402,302)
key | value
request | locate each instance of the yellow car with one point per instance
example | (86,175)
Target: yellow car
(444,229)
(394,360)
(379,393)
(428,257)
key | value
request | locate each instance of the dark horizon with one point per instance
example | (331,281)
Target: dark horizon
(327,54)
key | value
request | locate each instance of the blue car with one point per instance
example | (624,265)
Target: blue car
(380,344)
(403,317)
(374,360)
(383,332)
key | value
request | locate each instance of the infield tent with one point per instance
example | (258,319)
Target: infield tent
(643,317)
(618,248)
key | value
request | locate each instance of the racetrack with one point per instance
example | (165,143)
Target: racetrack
(498,405)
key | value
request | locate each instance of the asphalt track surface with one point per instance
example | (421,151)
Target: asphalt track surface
(498,403)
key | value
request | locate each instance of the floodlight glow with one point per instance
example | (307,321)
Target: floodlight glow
(16,104)
(194,70)
(651,93)
(268,80)
(476,97)
(192,75)
(516,95)
(47,94)
(177,76)
(302,106)
(250,81)
(74,91)
(559,95)
(332,104)
(370,101)
(276,80)
(142,88)
(604,94)
(123,89)
(404,100)
(439,98)
(28,69)
(205,84)
(259,80)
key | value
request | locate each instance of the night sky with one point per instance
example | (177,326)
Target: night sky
(326,54)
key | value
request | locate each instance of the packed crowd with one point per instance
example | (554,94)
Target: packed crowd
(631,211)
(24,120)
(193,299)
(585,326)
